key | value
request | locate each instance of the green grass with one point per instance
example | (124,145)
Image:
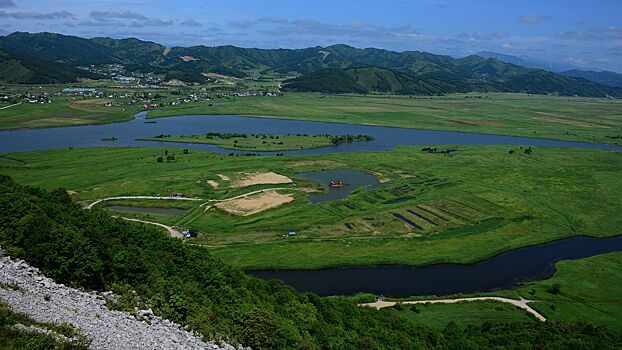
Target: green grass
(463,314)
(589,290)
(493,201)
(258,142)
(564,118)
(63,112)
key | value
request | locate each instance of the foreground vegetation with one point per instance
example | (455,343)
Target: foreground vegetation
(262,142)
(562,118)
(478,202)
(90,249)
(15,338)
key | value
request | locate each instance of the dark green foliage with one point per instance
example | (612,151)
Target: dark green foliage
(90,249)
(605,78)
(20,69)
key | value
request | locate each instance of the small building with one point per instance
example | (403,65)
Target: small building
(292,233)
(189,233)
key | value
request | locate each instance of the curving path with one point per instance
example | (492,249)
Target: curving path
(173,232)
(91,205)
(522,303)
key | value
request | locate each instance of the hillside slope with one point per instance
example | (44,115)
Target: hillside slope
(605,78)
(17,69)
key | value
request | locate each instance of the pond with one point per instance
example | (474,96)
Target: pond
(126,133)
(353,178)
(503,271)
(147,210)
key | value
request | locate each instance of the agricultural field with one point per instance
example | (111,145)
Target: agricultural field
(563,118)
(63,112)
(262,142)
(428,208)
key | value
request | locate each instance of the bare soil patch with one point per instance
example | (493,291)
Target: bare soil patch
(255,203)
(260,179)
(188,58)
(213,183)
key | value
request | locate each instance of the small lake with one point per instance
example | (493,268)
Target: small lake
(503,271)
(147,210)
(126,133)
(354,178)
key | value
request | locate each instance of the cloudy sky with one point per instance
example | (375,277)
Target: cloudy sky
(579,32)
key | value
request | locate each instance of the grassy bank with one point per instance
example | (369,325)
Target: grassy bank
(564,118)
(478,203)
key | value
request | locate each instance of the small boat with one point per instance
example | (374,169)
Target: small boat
(338,184)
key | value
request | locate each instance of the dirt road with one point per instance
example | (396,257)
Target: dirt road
(522,303)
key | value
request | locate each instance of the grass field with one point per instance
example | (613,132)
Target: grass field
(261,142)
(564,118)
(467,206)
(63,112)
(588,290)
(463,314)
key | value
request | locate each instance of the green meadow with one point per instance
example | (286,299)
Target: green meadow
(563,118)
(63,111)
(466,207)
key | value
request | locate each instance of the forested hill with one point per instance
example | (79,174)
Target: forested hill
(382,80)
(92,250)
(407,72)
(19,69)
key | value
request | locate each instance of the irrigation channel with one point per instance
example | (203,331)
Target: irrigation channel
(504,271)
(126,133)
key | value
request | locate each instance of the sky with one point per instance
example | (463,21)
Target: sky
(586,34)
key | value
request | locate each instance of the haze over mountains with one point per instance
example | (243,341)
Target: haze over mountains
(48,58)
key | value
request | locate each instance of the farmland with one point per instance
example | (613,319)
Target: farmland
(431,207)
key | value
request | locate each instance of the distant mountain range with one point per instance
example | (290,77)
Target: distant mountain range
(568,70)
(338,68)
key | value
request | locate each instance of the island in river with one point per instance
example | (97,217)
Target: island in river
(262,142)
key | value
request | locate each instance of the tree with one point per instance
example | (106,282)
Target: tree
(160,159)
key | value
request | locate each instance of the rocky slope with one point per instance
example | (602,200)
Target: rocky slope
(28,292)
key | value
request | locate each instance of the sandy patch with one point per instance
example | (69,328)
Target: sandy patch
(255,203)
(71,193)
(218,76)
(223,177)
(188,58)
(213,183)
(261,179)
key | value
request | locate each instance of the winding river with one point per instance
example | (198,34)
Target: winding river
(507,270)
(126,133)
(503,271)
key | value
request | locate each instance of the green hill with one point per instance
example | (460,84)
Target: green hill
(16,69)
(381,80)
(604,77)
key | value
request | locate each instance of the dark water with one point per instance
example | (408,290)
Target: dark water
(354,178)
(501,272)
(385,138)
(147,210)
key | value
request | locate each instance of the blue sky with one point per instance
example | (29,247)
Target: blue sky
(579,32)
